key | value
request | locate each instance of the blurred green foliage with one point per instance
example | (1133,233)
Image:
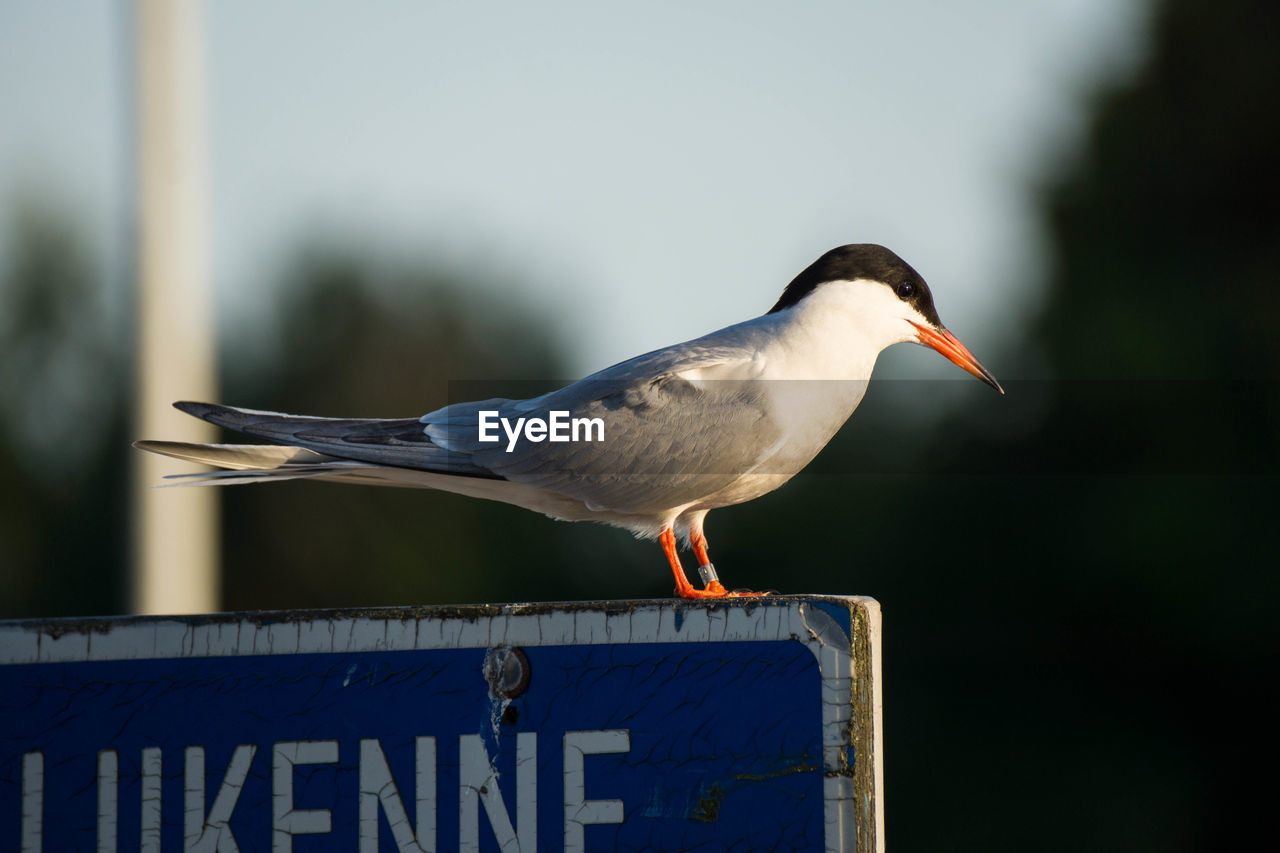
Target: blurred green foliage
(1078,579)
(386,339)
(63,403)
(1079,593)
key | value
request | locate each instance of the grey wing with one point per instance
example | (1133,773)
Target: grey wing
(646,444)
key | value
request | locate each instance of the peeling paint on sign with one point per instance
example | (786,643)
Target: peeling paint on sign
(598,725)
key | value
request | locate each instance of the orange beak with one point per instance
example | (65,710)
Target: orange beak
(957,353)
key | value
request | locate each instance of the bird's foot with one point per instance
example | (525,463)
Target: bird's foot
(712,588)
(717,590)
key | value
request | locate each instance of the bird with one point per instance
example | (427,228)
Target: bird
(651,444)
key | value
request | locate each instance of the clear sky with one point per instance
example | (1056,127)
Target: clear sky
(648,171)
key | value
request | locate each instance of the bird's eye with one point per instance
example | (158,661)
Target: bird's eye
(905,290)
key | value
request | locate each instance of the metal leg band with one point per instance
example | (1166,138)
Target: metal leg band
(708,574)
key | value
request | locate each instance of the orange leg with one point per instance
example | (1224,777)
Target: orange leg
(699,542)
(684,589)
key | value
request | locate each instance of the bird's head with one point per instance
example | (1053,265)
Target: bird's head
(890,300)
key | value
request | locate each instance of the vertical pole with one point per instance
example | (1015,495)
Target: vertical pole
(175,542)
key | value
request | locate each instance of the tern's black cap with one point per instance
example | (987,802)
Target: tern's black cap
(862,261)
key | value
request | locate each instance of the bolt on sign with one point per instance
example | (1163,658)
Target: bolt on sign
(643,725)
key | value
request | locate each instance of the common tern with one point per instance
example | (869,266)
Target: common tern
(651,444)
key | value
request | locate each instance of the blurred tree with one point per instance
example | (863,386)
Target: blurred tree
(381,339)
(1079,594)
(63,472)
(347,335)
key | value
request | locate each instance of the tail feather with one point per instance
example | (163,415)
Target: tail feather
(260,463)
(267,463)
(237,457)
(398,442)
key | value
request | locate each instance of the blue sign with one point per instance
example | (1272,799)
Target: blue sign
(628,726)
